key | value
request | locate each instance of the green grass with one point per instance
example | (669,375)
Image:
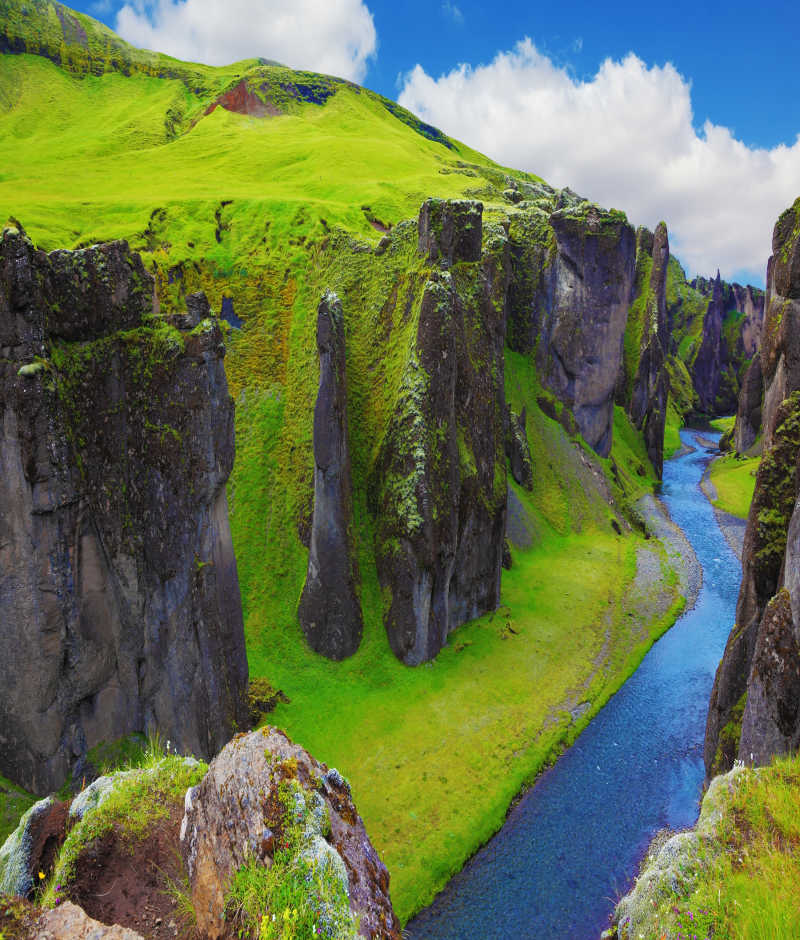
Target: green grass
(133,807)
(747,889)
(297,896)
(431,786)
(723,424)
(734,479)
(13,803)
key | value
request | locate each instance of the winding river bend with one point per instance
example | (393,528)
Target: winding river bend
(572,844)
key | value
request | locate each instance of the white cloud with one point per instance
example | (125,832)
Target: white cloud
(625,138)
(337,37)
(454,12)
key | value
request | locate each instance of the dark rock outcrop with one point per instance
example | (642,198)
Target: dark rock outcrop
(753,702)
(450,230)
(709,364)
(770,722)
(518,450)
(648,398)
(119,600)
(239,812)
(330,611)
(438,489)
(571,287)
(748,412)
(729,339)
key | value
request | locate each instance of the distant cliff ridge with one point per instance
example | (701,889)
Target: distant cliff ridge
(755,703)
(715,331)
(119,599)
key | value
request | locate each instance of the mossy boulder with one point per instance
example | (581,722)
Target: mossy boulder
(267,805)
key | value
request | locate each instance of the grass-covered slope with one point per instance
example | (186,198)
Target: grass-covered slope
(734,480)
(736,875)
(13,803)
(265,207)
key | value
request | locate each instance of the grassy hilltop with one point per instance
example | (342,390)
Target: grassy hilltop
(263,207)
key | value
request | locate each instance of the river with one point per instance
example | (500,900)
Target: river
(572,844)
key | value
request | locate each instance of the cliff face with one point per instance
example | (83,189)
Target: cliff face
(647,406)
(119,602)
(719,339)
(330,612)
(572,284)
(753,708)
(439,484)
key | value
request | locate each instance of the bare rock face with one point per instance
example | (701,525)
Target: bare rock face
(438,489)
(330,612)
(648,403)
(239,811)
(753,707)
(750,302)
(571,287)
(119,599)
(748,412)
(710,361)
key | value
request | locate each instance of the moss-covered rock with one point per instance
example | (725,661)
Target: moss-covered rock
(671,868)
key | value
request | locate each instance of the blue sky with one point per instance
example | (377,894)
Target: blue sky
(610,99)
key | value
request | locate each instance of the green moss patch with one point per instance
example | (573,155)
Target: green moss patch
(14,801)
(743,882)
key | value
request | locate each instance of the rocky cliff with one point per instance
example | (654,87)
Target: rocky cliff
(648,386)
(573,272)
(119,601)
(716,331)
(754,702)
(330,612)
(439,483)
(553,277)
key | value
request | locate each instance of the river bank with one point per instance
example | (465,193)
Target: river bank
(573,843)
(732,526)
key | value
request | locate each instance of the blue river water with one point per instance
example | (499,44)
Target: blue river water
(572,845)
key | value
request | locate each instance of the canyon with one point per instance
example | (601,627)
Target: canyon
(311,428)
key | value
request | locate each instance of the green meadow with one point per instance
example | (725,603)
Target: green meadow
(734,480)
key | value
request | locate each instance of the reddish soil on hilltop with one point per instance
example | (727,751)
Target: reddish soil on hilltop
(127,883)
(241,100)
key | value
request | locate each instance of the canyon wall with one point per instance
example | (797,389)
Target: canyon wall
(755,703)
(119,599)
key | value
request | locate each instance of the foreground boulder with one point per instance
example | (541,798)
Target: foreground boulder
(70,922)
(263,798)
(119,598)
(671,870)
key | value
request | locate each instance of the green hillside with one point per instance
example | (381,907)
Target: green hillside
(264,210)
